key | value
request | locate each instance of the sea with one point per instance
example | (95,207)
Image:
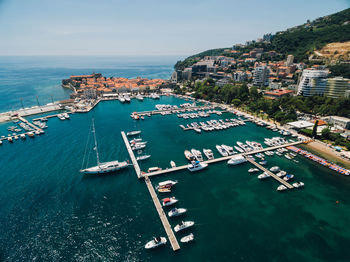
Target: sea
(51,212)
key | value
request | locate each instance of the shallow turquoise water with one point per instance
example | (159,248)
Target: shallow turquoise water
(50,212)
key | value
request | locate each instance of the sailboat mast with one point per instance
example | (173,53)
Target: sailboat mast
(93,131)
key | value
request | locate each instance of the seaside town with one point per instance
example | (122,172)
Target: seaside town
(234,136)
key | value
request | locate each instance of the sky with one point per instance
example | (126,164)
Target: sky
(146,27)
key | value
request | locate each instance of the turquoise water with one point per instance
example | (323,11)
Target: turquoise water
(50,212)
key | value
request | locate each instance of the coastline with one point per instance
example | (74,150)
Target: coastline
(324,151)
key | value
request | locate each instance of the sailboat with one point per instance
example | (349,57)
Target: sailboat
(102,168)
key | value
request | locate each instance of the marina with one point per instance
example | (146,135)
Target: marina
(163,135)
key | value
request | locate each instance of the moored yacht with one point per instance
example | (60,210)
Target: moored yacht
(275,169)
(183,225)
(196,166)
(298,184)
(281,188)
(228,149)
(167,183)
(253,170)
(189,155)
(197,154)
(156,242)
(235,160)
(221,150)
(177,212)
(133,133)
(187,238)
(288,177)
(263,175)
(121,99)
(208,153)
(143,157)
(169,201)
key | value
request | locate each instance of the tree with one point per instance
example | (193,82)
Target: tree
(314,129)
(326,133)
(236,102)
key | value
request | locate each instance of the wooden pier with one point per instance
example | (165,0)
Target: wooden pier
(28,123)
(270,173)
(169,231)
(220,159)
(132,156)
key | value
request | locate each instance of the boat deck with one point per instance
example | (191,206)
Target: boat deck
(220,159)
(132,156)
(169,231)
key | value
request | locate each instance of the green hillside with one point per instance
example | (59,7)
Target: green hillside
(300,41)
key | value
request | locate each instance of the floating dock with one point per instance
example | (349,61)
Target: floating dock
(28,123)
(270,173)
(132,156)
(169,231)
(179,110)
(220,159)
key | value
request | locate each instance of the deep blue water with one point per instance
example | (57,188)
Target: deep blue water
(29,78)
(50,212)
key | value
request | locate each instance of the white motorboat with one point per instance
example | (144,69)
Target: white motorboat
(177,212)
(189,155)
(172,164)
(187,238)
(133,133)
(139,97)
(154,169)
(281,173)
(183,225)
(61,117)
(197,154)
(253,170)
(198,130)
(138,146)
(23,136)
(169,201)
(166,183)
(144,157)
(10,139)
(127,98)
(66,115)
(221,150)
(298,184)
(196,166)
(239,149)
(121,99)
(275,169)
(263,175)
(228,149)
(208,153)
(288,177)
(135,140)
(281,188)
(156,242)
(235,160)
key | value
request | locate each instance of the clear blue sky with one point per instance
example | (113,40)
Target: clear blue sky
(146,27)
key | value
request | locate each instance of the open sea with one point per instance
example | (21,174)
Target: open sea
(51,212)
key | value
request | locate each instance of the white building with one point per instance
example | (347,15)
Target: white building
(261,76)
(315,82)
(312,82)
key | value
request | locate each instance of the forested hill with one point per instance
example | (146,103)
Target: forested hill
(300,41)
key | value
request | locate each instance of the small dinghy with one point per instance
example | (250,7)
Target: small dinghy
(156,242)
(144,157)
(172,164)
(187,238)
(183,225)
